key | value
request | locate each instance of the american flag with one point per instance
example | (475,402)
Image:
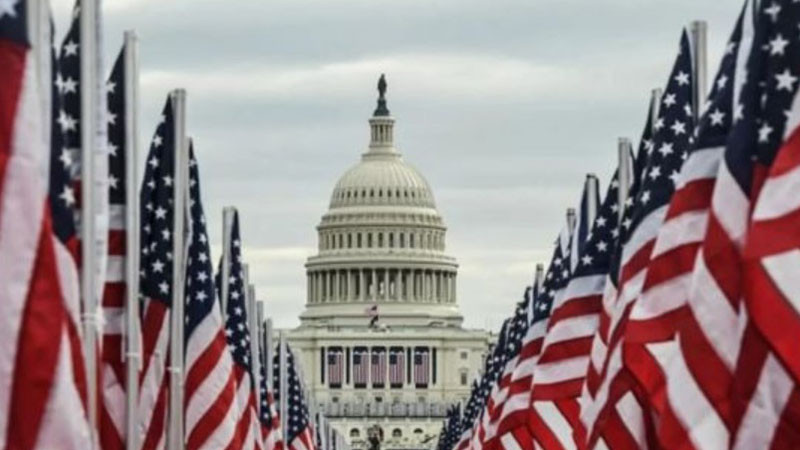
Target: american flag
(268,412)
(619,404)
(600,341)
(335,367)
(451,429)
(422,366)
(502,390)
(555,282)
(209,382)
(299,433)
(155,285)
(237,334)
(397,365)
(360,366)
(651,351)
(378,367)
(39,307)
(112,384)
(562,367)
(763,152)
(492,371)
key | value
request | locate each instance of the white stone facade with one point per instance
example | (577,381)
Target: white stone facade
(382,242)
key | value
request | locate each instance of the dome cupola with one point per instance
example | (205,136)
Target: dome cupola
(382,242)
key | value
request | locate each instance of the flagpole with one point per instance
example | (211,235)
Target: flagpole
(133,354)
(592,186)
(252,319)
(624,172)
(225,272)
(88,120)
(699,37)
(571,219)
(283,388)
(180,191)
(269,351)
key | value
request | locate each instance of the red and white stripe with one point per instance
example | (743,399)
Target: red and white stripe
(772,302)
(210,385)
(112,369)
(271,433)
(42,388)
(153,379)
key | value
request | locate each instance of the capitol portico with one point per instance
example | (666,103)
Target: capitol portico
(382,251)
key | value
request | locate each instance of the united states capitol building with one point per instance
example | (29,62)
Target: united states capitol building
(381,339)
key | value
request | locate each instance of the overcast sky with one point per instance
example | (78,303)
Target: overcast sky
(503,105)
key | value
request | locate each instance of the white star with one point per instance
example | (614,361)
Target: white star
(669,100)
(730,48)
(7,7)
(167,180)
(773,11)
(778,45)
(678,128)
(237,310)
(67,122)
(157,141)
(161,213)
(235,295)
(786,80)
(66,157)
(655,172)
(70,49)
(202,257)
(764,132)
(202,276)
(601,221)
(237,243)
(110,87)
(201,296)
(682,78)
(666,149)
(722,82)
(153,162)
(70,86)
(165,234)
(675,177)
(659,124)
(645,197)
(586,260)
(716,117)
(738,112)
(602,246)
(68,195)
(626,223)
(163,287)
(112,149)
(112,181)
(111,118)
(158,266)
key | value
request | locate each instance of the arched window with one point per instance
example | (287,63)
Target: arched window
(417,430)
(397,433)
(354,433)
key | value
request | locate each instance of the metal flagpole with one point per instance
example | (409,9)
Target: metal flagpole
(655,103)
(624,173)
(252,324)
(571,220)
(133,354)
(283,389)
(225,272)
(699,37)
(269,352)
(88,119)
(175,428)
(592,186)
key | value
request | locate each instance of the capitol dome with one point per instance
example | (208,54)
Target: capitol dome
(382,242)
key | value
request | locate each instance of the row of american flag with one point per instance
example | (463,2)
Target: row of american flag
(669,315)
(116,332)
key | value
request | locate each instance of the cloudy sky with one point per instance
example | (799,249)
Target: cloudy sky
(504,105)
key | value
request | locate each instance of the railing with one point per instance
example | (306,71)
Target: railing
(384,409)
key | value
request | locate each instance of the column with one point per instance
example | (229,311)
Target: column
(362,284)
(309,293)
(455,285)
(436,285)
(398,284)
(373,279)
(412,288)
(385,284)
